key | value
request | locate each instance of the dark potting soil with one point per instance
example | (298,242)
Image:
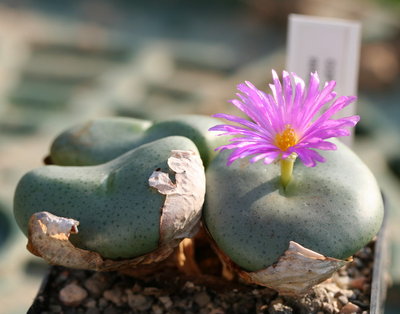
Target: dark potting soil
(168,291)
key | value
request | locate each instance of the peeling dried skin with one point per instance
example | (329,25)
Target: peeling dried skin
(296,271)
(184,199)
(49,238)
(48,235)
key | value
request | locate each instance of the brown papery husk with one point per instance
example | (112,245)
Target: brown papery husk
(294,273)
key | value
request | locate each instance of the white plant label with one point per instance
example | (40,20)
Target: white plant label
(329,46)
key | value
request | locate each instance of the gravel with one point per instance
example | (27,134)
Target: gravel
(79,291)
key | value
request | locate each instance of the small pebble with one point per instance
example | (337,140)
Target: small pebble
(328,308)
(113,295)
(255,292)
(138,302)
(358,283)
(358,262)
(189,286)
(350,308)
(90,303)
(343,299)
(156,309)
(316,303)
(166,301)
(362,302)
(184,303)
(279,308)
(347,293)
(343,281)
(217,311)
(136,288)
(201,298)
(152,291)
(96,284)
(72,295)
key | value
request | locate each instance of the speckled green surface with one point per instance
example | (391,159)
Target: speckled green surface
(97,141)
(119,213)
(334,209)
(101,140)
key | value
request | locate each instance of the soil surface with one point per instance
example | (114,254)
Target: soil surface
(169,291)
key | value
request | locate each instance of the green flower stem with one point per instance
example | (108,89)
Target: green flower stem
(287,169)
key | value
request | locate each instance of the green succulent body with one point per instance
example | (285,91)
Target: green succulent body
(119,213)
(97,141)
(334,209)
(102,140)
(101,180)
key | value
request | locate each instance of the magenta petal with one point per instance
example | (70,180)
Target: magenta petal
(312,91)
(276,89)
(268,157)
(271,157)
(258,157)
(322,145)
(323,98)
(309,157)
(287,90)
(242,121)
(291,106)
(338,105)
(242,132)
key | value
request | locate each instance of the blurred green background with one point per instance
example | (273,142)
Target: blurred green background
(68,61)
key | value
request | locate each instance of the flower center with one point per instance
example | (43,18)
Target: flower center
(286,139)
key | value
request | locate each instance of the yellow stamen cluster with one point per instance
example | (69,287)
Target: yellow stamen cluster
(286,139)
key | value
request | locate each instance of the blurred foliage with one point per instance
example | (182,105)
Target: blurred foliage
(389,2)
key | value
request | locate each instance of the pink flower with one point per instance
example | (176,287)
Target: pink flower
(287,123)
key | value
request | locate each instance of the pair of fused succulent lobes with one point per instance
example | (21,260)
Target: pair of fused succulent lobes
(283,232)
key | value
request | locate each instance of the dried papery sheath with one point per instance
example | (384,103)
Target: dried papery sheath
(287,123)
(182,207)
(296,271)
(49,239)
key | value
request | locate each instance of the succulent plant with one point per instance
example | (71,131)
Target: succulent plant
(101,140)
(287,233)
(334,210)
(127,207)
(136,189)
